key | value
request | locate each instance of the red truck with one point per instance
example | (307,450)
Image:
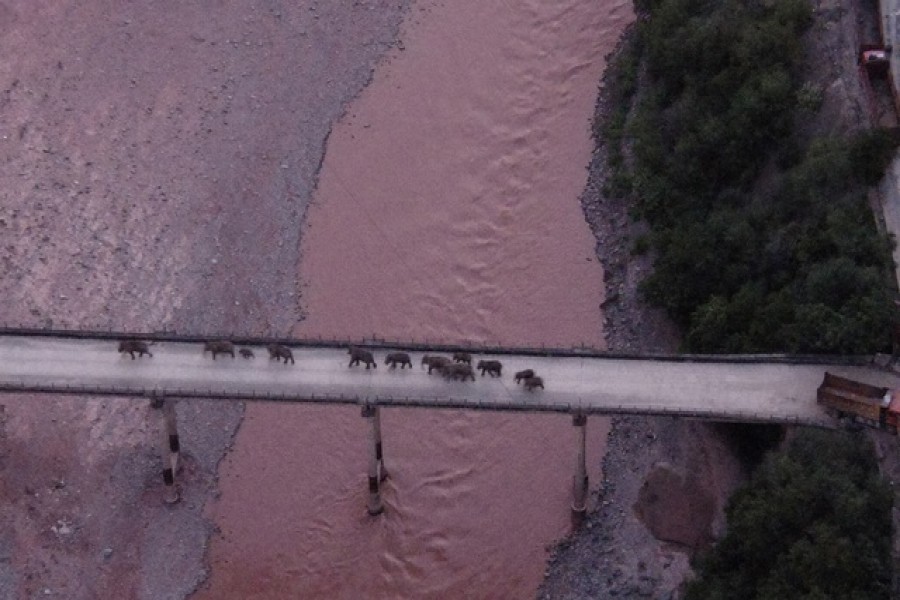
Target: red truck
(868,404)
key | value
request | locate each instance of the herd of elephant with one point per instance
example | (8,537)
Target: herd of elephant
(459,367)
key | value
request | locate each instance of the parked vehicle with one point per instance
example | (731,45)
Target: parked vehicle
(860,402)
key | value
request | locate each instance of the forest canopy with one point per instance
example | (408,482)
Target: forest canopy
(764,241)
(814,523)
(796,265)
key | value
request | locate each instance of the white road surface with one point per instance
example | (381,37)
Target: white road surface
(763,391)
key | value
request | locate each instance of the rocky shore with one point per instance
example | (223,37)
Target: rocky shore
(666,481)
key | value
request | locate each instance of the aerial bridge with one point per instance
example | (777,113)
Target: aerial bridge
(582,381)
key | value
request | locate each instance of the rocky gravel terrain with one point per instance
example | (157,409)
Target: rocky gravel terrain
(156,160)
(666,481)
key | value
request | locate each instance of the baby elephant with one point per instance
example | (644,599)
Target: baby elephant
(132,346)
(520,375)
(277,351)
(246,353)
(358,355)
(490,366)
(435,362)
(398,358)
(462,357)
(219,347)
(459,371)
(533,382)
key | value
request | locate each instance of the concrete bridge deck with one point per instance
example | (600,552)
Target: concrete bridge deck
(752,389)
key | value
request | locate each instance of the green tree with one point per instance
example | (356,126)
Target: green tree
(813,523)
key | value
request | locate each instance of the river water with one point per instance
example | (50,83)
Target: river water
(447,209)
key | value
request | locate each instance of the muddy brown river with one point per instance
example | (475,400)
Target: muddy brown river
(446,209)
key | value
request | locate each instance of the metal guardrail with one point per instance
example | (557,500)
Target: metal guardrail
(416,402)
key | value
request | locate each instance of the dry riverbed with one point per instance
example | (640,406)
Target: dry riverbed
(156,165)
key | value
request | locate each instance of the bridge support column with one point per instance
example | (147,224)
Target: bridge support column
(379,449)
(171,445)
(580,481)
(377,472)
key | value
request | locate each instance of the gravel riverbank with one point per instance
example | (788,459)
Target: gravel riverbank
(665,480)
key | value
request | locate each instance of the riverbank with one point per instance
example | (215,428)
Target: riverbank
(446,209)
(617,551)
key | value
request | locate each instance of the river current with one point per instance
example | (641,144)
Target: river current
(446,209)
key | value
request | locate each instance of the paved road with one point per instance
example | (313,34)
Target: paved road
(890,32)
(764,391)
(889,187)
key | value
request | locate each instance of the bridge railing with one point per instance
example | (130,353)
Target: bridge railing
(435,402)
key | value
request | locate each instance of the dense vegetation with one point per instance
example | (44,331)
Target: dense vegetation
(763,242)
(813,524)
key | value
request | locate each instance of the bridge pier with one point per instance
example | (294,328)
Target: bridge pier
(171,445)
(580,481)
(377,472)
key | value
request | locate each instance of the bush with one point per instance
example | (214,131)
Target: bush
(814,523)
(809,97)
(871,153)
(641,245)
